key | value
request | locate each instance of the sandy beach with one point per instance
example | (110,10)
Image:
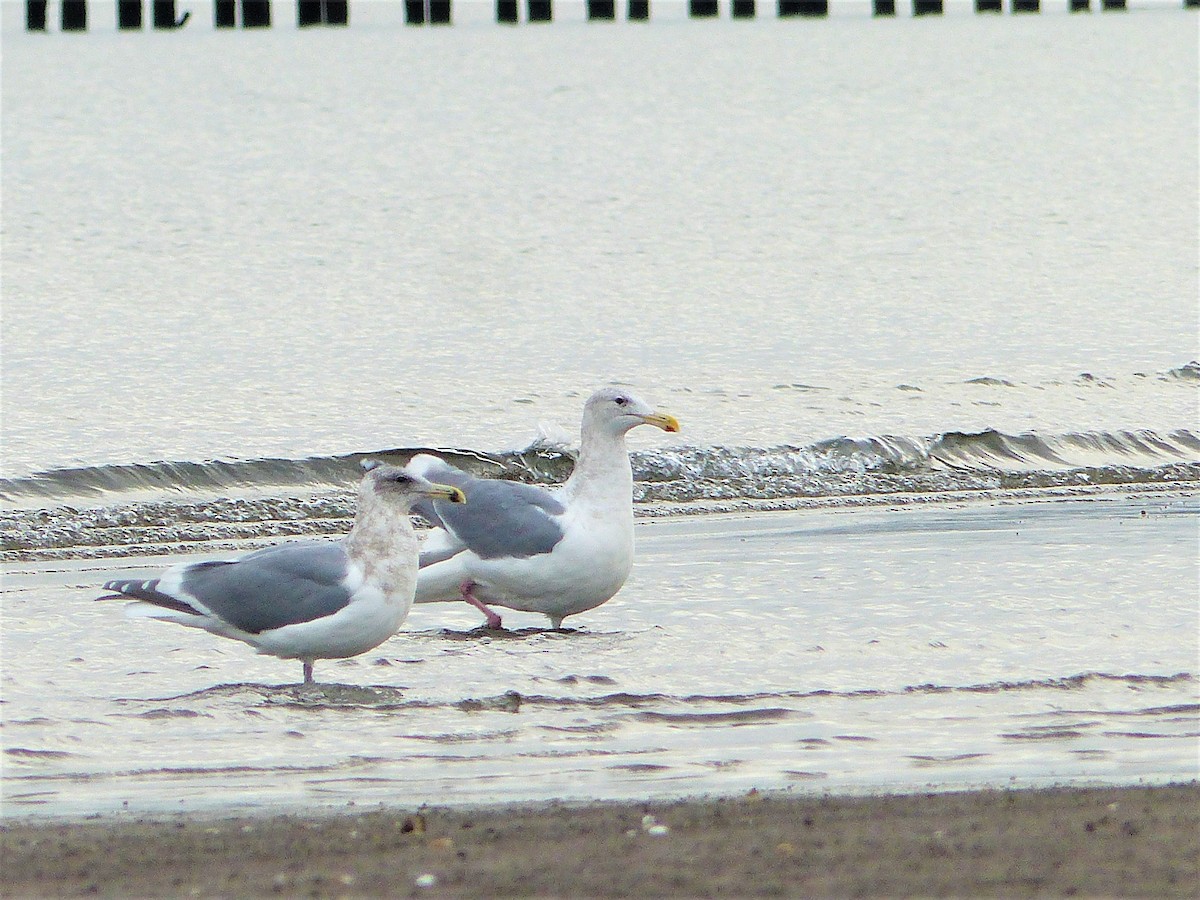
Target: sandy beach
(1127,842)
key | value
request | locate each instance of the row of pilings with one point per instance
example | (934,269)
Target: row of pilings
(73,14)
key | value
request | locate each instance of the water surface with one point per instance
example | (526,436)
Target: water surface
(285,244)
(1018,643)
(922,292)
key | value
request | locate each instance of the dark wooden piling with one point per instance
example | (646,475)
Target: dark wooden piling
(540,10)
(35,15)
(809,8)
(439,12)
(703,9)
(414,12)
(129,14)
(639,10)
(1112,5)
(884,7)
(602,10)
(987,6)
(164,15)
(1026,6)
(256,13)
(308,12)
(743,9)
(927,7)
(74,15)
(225,14)
(506,12)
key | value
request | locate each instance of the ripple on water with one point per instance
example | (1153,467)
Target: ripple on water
(738,717)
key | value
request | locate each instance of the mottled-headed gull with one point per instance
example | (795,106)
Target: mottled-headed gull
(557,552)
(306,600)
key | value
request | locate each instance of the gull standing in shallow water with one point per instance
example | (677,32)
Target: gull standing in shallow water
(557,552)
(306,600)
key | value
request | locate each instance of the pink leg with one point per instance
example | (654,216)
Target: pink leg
(493,620)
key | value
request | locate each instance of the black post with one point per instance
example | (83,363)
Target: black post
(74,15)
(129,14)
(703,9)
(439,12)
(639,10)
(414,12)
(885,7)
(225,14)
(506,12)
(1081,5)
(35,15)
(1191,4)
(743,9)
(541,10)
(308,12)
(1113,4)
(811,8)
(927,7)
(164,15)
(987,6)
(601,9)
(1026,6)
(337,12)
(256,13)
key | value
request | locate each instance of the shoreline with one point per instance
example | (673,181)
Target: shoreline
(212,524)
(1115,841)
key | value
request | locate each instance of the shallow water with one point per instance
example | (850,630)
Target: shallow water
(947,646)
(926,289)
(782,231)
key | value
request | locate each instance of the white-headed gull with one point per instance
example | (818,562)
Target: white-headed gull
(557,552)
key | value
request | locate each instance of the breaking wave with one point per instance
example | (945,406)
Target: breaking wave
(168,506)
(827,466)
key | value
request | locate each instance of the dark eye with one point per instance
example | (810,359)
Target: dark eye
(402,478)
(621,401)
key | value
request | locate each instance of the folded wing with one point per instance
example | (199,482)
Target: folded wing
(271,588)
(501,519)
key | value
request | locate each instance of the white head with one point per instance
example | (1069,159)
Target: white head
(615,411)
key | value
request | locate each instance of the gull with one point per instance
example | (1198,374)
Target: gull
(306,600)
(556,552)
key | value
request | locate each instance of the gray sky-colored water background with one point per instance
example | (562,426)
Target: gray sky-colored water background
(922,291)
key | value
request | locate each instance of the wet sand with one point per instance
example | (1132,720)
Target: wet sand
(1133,841)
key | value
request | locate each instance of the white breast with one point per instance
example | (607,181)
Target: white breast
(587,567)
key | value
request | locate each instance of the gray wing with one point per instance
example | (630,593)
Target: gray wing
(270,588)
(499,519)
